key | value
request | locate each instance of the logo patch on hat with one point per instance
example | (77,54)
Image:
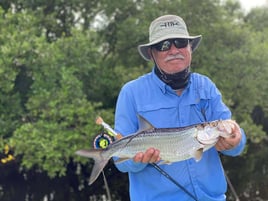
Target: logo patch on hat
(169,24)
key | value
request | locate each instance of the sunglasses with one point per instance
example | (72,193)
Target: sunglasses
(166,44)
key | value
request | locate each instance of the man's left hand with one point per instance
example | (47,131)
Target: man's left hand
(231,142)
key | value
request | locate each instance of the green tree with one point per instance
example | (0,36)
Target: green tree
(63,63)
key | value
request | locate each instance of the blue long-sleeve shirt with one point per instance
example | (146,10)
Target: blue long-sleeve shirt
(200,101)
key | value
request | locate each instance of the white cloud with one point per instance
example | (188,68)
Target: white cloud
(249,4)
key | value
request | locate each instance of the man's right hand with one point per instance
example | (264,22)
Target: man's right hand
(151,155)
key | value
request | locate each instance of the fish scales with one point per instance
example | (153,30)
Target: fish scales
(174,144)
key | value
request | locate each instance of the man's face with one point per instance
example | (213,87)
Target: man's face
(172,59)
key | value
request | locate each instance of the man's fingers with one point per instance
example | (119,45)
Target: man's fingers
(151,155)
(155,157)
(138,157)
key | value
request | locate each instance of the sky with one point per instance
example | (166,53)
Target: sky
(248,4)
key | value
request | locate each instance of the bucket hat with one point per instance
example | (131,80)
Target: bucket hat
(167,27)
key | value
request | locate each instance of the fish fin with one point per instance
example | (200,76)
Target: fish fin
(120,160)
(99,164)
(198,154)
(144,124)
(164,162)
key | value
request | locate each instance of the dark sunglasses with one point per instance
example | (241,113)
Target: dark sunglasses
(166,44)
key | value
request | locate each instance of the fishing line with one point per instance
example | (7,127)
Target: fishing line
(109,197)
(231,187)
(203,111)
(230,183)
(163,172)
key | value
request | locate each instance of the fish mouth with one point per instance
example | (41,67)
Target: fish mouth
(223,128)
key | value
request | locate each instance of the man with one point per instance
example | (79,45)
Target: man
(172,96)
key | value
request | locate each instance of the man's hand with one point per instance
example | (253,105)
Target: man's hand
(231,142)
(151,155)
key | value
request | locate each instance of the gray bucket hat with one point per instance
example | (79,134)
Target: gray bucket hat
(167,27)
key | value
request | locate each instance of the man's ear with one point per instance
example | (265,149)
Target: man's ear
(150,53)
(191,46)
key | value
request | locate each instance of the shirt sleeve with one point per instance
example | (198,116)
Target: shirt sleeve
(126,122)
(218,110)
(238,149)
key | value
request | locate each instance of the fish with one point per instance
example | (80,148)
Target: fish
(174,144)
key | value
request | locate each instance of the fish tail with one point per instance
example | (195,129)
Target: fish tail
(100,161)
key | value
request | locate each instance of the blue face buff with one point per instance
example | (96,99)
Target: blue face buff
(175,81)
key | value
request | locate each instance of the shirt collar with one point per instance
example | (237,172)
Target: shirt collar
(164,87)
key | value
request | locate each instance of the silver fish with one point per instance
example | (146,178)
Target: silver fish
(174,144)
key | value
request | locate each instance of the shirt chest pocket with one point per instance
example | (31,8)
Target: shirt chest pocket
(160,115)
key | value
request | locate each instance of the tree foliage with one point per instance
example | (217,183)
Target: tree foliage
(62,63)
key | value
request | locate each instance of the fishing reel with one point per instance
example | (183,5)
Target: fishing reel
(103,140)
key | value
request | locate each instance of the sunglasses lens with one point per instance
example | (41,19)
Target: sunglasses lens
(163,46)
(181,43)
(166,45)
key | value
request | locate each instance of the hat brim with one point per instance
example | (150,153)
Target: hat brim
(143,49)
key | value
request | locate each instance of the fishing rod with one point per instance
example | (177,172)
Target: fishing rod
(116,135)
(163,172)
(111,131)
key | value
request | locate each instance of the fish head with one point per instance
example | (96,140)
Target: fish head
(210,132)
(208,135)
(226,127)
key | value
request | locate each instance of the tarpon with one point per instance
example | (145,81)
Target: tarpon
(174,144)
